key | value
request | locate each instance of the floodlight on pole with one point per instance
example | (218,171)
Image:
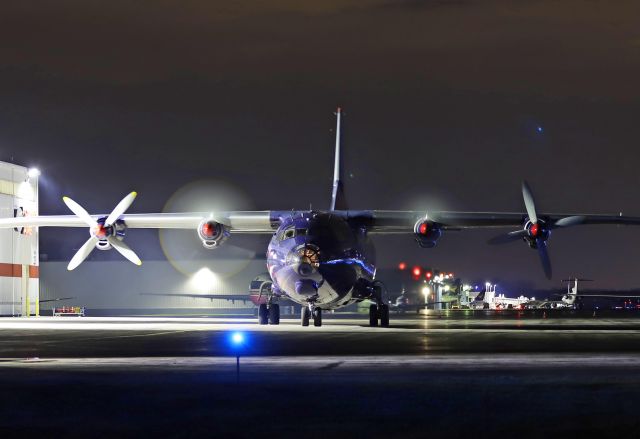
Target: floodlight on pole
(33,173)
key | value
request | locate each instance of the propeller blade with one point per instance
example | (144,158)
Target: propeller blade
(124,250)
(544,257)
(569,221)
(82,253)
(529,203)
(79,211)
(121,208)
(508,237)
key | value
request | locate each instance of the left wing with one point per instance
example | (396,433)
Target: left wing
(232,297)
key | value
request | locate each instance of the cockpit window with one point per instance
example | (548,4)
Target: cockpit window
(291,233)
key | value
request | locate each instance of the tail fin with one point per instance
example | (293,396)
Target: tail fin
(480,296)
(338,201)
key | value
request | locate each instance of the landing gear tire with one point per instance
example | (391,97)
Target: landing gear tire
(274,314)
(383,310)
(373,315)
(317,317)
(263,314)
(305,315)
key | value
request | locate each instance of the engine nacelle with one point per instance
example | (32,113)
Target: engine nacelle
(427,233)
(212,234)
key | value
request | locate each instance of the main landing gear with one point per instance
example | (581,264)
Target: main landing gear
(379,312)
(269,313)
(308,312)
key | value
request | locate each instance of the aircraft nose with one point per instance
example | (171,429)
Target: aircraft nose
(305,269)
(305,260)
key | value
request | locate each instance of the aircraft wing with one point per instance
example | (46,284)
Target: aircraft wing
(256,299)
(266,222)
(232,297)
(389,222)
(57,299)
(612,296)
(236,221)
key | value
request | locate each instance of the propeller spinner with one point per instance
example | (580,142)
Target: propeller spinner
(102,230)
(536,231)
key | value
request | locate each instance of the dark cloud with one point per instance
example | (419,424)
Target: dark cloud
(443,103)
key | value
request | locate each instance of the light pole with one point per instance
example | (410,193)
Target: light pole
(237,343)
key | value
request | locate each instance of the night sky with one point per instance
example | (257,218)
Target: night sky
(449,105)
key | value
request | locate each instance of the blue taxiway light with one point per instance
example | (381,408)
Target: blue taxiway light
(237,338)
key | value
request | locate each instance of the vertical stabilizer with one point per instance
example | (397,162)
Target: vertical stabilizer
(338,201)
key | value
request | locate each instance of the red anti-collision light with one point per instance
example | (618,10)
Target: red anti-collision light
(402,266)
(428,275)
(417,271)
(423,228)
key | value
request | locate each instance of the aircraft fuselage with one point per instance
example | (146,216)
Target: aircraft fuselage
(318,258)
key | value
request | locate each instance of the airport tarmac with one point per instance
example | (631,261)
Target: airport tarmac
(436,375)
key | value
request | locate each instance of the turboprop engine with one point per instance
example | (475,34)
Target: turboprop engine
(212,233)
(427,233)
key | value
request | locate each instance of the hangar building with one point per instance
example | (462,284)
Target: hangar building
(19,258)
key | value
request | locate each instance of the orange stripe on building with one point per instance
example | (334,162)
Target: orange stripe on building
(15,270)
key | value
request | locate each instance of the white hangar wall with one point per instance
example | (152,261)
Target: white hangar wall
(117,286)
(19,265)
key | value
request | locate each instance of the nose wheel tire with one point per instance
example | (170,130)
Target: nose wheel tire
(263,314)
(383,310)
(274,314)
(317,317)
(373,315)
(305,315)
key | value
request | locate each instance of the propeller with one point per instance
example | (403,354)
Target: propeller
(101,230)
(536,231)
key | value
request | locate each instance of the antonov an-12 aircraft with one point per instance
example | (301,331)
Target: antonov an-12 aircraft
(321,259)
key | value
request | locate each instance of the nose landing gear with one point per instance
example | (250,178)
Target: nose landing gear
(308,312)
